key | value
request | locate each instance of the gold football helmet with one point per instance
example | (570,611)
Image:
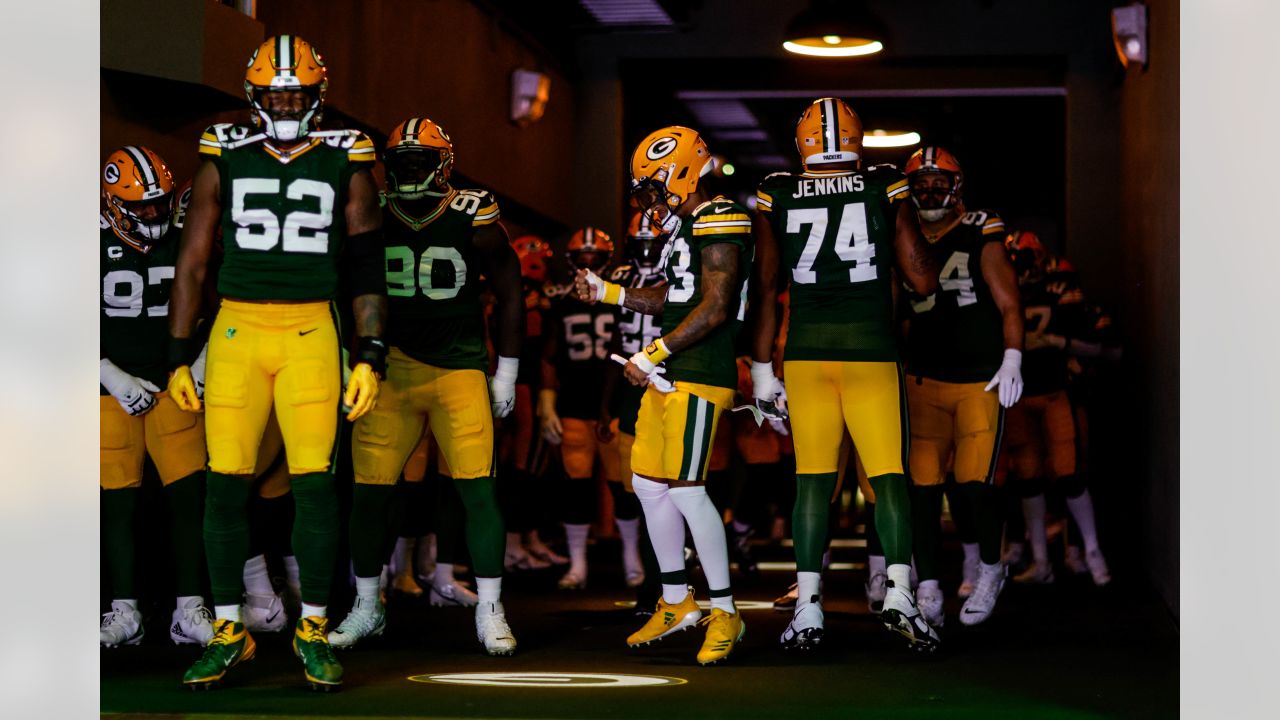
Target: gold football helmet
(419,158)
(934,202)
(828,131)
(138,188)
(280,64)
(665,169)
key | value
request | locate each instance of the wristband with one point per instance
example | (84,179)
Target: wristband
(508,370)
(182,351)
(614,294)
(656,351)
(372,351)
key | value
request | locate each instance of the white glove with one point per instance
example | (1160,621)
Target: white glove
(1009,378)
(768,392)
(502,386)
(197,371)
(133,394)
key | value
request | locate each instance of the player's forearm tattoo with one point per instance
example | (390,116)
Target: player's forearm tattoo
(648,301)
(719,281)
(371,315)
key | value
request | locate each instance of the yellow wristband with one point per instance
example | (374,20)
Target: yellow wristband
(657,351)
(612,294)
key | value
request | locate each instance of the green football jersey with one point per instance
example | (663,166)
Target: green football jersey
(434,312)
(835,234)
(283,212)
(133,324)
(710,361)
(957,333)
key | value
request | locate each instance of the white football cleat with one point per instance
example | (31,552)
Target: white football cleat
(492,629)
(983,600)
(121,626)
(366,619)
(901,615)
(1036,574)
(573,580)
(929,599)
(969,577)
(192,623)
(805,630)
(876,591)
(264,613)
(1097,567)
(451,593)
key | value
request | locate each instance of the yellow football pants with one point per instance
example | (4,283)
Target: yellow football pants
(674,431)
(265,354)
(825,397)
(173,438)
(453,403)
(271,473)
(953,417)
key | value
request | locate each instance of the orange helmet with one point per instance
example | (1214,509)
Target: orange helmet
(665,169)
(828,131)
(644,242)
(138,188)
(533,252)
(589,248)
(934,203)
(419,159)
(1028,255)
(286,62)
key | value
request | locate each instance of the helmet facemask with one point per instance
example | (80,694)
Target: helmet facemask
(417,172)
(651,198)
(279,120)
(934,201)
(144,221)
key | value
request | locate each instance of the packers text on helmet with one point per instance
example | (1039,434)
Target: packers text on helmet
(589,248)
(927,168)
(138,188)
(665,169)
(286,83)
(828,131)
(419,158)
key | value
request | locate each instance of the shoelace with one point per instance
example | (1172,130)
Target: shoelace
(223,634)
(110,618)
(199,612)
(314,632)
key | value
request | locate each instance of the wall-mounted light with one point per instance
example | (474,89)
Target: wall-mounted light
(834,28)
(1129,30)
(530,92)
(889,138)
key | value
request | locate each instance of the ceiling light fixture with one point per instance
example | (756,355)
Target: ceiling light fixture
(889,138)
(833,28)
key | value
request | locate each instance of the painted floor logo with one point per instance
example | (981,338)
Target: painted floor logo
(550,680)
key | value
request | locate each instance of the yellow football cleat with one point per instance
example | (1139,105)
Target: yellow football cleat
(667,619)
(723,633)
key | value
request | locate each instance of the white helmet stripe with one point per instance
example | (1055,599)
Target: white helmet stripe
(411,130)
(831,124)
(140,159)
(284,54)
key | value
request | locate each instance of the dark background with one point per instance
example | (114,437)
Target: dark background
(1053,133)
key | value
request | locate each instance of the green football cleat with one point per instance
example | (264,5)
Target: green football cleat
(230,646)
(311,644)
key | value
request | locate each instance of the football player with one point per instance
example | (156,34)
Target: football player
(440,240)
(839,231)
(289,199)
(1041,433)
(139,241)
(964,360)
(707,261)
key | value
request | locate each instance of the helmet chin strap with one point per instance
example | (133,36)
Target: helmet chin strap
(286,130)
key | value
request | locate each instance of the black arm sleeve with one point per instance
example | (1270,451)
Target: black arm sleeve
(366,255)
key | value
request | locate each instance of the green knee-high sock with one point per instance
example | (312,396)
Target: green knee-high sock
(486,537)
(961,511)
(370,523)
(893,517)
(117,541)
(869,523)
(810,518)
(186,520)
(315,534)
(449,520)
(988,519)
(226,534)
(926,516)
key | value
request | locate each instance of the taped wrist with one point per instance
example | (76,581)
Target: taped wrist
(373,351)
(508,370)
(366,256)
(183,351)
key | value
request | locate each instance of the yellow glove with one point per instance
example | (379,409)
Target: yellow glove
(182,388)
(362,391)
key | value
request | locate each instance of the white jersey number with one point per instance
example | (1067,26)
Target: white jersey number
(581,343)
(405,277)
(852,243)
(260,229)
(122,292)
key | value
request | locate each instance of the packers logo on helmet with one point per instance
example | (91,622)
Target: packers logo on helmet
(665,169)
(138,188)
(281,64)
(419,158)
(932,200)
(828,131)
(589,248)
(533,252)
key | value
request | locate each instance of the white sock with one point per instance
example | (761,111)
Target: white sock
(666,532)
(900,575)
(875,565)
(367,588)
(927,584)
(291,574)
(808,584)
(1033,509)
(443,574)
(1081,508)
(489,589)
(576,535)
(970,552)
(725,603)
(309,610)
(227,612)
(183,600)
(708,536)
(256,579)
(629,531)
